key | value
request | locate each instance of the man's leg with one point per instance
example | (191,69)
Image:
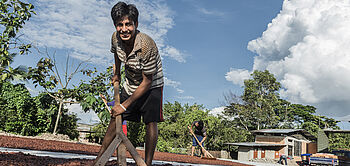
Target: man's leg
(108,138)
(151,141)
(285,160)
(203,152)
(193,148)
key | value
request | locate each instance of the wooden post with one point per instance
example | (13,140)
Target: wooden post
(120,141)
(121,158)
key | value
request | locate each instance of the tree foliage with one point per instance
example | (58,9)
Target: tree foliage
(47,75)
(174,133)
(256,109)
(17,110)
(14,14)
(22,114)
(87,93)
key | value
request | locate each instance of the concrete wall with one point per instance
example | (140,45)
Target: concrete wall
(245,153)
(270,154)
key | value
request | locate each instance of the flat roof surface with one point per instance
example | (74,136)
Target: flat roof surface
(255,144)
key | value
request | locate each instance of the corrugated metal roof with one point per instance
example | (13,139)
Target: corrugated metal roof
(254,144)
(286,132)
(336,131)
(281,131)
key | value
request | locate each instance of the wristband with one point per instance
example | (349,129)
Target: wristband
(122,107)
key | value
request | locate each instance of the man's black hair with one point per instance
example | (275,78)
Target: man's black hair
(121,10)
(200,124)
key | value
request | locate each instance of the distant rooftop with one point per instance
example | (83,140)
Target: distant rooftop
(280,131)
(254,144)
(336,131)
(285,132)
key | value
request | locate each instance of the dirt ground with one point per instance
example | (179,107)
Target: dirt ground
(20,159)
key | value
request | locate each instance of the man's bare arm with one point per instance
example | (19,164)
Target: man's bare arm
(142,89)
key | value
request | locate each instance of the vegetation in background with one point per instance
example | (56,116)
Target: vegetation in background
(25,115)
(19,112)
(14,14)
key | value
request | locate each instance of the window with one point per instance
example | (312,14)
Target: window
(297,148)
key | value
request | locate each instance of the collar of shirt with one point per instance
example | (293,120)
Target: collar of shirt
(120,48)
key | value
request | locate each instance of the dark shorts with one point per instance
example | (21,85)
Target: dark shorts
(194,141)
(149,106)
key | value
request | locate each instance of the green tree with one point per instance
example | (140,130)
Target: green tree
(261,107)
(14,14)
(174,134)
(25,115)
(17,111)
(256,109)
(87,94)
(47,108)
(47,75)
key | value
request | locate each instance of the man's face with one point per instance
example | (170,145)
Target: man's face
(126,29)
(197,124)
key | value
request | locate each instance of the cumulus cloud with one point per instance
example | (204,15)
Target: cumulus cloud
(85,28)
(307,48)
(237,76)
(217,111)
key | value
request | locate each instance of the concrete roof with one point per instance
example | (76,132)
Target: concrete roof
(255,144)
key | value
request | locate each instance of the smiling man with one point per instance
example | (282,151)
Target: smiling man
(141,96)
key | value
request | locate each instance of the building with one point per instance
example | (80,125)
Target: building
(272,143)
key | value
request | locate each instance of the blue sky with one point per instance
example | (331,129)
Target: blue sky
(209,47)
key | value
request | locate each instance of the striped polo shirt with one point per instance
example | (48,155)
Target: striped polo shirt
(143,58)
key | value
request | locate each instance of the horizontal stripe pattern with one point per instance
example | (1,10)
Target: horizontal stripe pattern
(143,58)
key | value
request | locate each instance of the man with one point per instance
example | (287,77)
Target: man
(142,91)
(201,135)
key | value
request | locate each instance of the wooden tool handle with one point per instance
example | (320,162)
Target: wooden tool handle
(200,144)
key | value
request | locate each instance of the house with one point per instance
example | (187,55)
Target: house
(85,132)
(271,143)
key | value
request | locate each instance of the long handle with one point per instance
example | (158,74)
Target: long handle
(105,101)
(121,150)
(199,142)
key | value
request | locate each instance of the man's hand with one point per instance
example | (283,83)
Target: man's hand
(115,78)
(190,129)
(116,110)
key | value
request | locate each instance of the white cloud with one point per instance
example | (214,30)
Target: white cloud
(217,111)
(85,117)
(210,12)
(237,76)
(345,118)
(307,48)
(174,54)
(174,84)
(84,27)
(185,97)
